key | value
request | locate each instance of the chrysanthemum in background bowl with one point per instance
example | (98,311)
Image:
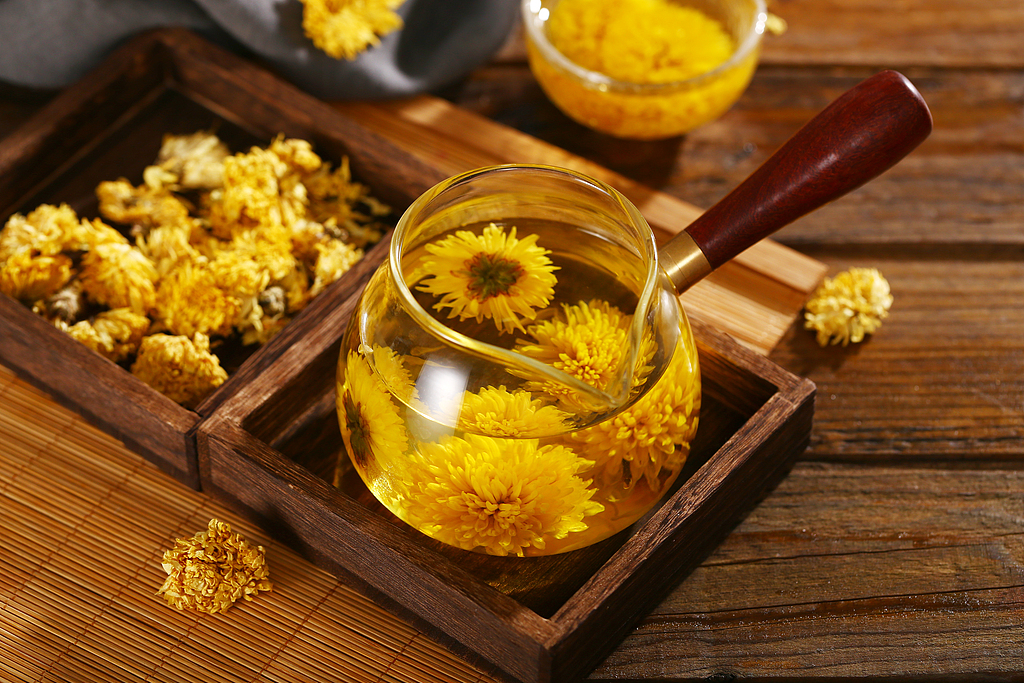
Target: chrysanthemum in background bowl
(644,69)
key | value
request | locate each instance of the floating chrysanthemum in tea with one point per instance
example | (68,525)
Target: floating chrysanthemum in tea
(371,423)
(501,496)
(345,28)
(589,341)
(210,571)
(653,434)
(180,368)
(491,275)
(847,307)
(496,411)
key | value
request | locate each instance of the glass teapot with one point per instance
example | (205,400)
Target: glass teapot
(519,377)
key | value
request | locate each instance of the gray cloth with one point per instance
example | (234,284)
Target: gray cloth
(52,43)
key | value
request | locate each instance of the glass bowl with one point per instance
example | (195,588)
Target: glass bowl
(647,111)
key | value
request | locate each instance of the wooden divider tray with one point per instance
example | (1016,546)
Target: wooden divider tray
(110,125)
(266,441)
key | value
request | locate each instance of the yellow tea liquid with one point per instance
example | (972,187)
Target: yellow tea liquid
(491,457)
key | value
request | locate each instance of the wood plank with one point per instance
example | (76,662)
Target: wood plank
(850,571)
(948,33)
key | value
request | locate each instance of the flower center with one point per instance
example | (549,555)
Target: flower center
(359,439)
(491,275)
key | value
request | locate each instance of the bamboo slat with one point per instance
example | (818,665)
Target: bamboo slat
(732,299)
(84,522)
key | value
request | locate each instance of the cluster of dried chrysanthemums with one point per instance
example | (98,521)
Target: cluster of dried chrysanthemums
(212,245)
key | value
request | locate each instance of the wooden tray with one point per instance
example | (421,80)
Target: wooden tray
(269,451)
(110,125)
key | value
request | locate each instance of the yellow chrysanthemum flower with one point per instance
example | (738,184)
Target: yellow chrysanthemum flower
(114,334)
(180,368)
(847,307)
(189,301)
(653,434)
(122,202)
(250,197)
(496,411)
(43,231)
(332,197)
(371,423)
(501,496)
(29,278)
(491,275)
(213,569)
(89,234)
(345,28)
(589,341)
(168,245)
(334,259)
(188,162)
(119,276)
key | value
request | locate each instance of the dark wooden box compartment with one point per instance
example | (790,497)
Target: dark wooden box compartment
(269,451)
(110,125)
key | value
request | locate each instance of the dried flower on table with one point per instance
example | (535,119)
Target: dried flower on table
(345,28)
(180,368)
(847,307)
(491,275)
(502,496)
(114,334)
(210,571)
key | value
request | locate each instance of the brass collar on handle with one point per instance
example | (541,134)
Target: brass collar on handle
(684,262)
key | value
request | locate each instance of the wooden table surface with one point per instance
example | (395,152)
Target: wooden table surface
(895,548)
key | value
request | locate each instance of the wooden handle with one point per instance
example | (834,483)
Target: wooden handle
(857,137)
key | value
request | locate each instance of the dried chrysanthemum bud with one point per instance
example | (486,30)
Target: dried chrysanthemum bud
(119,276)
(66,304)
(180,368)
(335,258)
(44,231)
(213,569)
(345,29)
(848,306)
(273,300)
(189,301)
(29,278)
(114,334)
(188,162)
(122,202)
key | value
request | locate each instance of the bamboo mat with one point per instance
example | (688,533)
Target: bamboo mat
(83,524)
